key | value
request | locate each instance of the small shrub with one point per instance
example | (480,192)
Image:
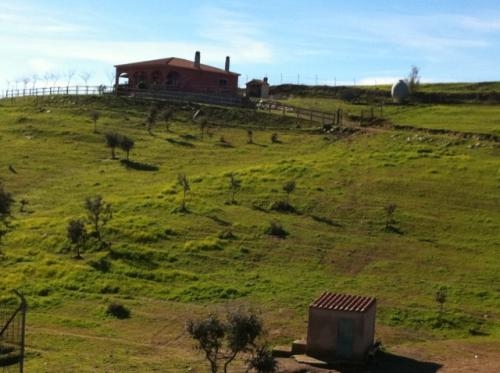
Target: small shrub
(263,361)
(281,206)
(118,310)
(101,264)
(109,289)
(226,235)
(276,229)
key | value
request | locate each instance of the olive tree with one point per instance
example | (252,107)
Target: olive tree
(222,340)
(126,144)
(112,141)
(77,235)
(98,214)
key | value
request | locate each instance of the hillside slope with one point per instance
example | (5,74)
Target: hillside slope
(167,265)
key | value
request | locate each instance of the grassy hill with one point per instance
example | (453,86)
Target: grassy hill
(167,266)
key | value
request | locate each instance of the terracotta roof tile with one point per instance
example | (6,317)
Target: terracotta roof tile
(177,62)
(343,302)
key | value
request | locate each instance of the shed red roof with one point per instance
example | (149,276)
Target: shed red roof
(343,302)
(178,63)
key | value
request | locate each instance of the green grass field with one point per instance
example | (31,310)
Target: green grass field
(475,118)
(167,266)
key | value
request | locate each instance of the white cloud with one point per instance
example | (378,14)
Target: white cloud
(480,24)
(41,65)
(234,32)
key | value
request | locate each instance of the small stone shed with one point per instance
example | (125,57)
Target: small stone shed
(341,327)
(258,88)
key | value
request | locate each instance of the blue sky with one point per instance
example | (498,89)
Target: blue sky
(314,41)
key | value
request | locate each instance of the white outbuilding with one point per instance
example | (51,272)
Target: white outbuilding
(400,92)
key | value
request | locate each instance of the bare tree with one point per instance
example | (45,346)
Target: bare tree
(34,80)
(167,115)
(234,187)
(47,78)
(86,75)
(151,118)
(441,300)
(289,187)
(390,209)
(184,183)
(413,79)
(55,78)
(111,77)
(25,80)
(94,116)
(69,75)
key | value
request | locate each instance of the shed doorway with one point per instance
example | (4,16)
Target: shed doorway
(345,338)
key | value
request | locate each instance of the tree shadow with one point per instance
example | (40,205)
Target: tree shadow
(218,220)
(326,220)
(257,144)
(138,165)
(393,229)
(391,363)
(180,142)
(387,363)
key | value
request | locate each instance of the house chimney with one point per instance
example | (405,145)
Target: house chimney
(265,79)
(197,59)
(227,63)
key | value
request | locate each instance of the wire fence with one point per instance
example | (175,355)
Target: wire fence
(12,332)
(49,91)
(147,94)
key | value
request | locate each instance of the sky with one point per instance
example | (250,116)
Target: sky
(289,41)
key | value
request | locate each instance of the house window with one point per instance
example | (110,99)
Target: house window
(143,80)
(222,82)
(155,77)
(172,79)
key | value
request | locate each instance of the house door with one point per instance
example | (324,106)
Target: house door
(345,338)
